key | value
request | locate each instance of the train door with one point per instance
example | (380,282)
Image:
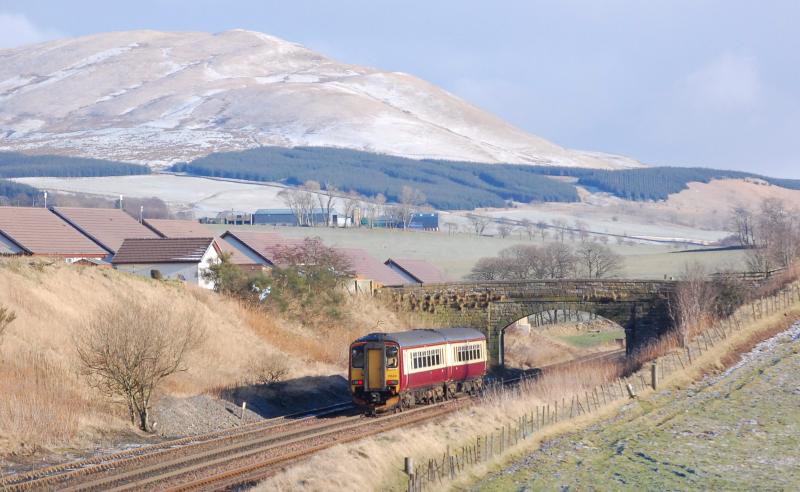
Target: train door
(375,367)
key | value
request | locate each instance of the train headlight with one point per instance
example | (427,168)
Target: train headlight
(392,382)
(358,382)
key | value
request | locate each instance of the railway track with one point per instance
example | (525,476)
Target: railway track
(232,457)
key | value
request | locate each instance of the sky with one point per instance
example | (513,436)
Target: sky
(712,83)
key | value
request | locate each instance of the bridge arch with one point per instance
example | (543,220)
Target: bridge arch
(639,306)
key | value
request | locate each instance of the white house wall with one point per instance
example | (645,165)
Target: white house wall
(187,272)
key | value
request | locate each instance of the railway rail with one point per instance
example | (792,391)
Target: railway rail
(232,457)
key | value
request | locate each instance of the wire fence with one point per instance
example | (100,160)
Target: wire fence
(433,472)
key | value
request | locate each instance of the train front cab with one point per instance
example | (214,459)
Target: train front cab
(375,374)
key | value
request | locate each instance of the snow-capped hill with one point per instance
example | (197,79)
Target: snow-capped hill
(159,97)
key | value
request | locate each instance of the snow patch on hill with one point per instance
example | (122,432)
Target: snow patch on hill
(158,98)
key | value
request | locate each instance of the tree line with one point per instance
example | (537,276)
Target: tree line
(16,165)
(448,185)
(451,185)
(555,260)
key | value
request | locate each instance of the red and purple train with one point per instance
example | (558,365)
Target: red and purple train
(403,369)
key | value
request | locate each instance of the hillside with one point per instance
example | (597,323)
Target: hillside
(161,97)
(736,431)
(48,406)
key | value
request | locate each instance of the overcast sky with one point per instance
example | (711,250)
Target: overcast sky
(680,82)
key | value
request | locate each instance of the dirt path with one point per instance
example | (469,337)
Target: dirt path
(736,431)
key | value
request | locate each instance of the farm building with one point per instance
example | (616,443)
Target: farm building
(255,248)
(285,217)
(231,217)
(184,259)
(428,221)
(108,227)
(38,231)
(369,272)
(417,271)
(178,228)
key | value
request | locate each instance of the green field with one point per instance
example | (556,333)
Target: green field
(740,431)
(456,254)
(589,340)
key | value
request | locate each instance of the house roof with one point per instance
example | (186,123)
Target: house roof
(178,228)
(421,270)
(263,244)
(38,231)
(415,338)
(367,267)
(108,227)
(163,250)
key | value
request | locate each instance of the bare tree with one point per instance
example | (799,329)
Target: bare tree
(327,201)
(743,225)
(582,229)
(411,199)
(527,226)
(129,346)
(597,260)
(542,227)
(524,262)
(351,204)
(559,261)
(490,269)
(375,208)
(504,229)
(559,229)
(692,303)
(479,223)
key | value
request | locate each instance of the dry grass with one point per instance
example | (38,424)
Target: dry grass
(46,404)
(373,463)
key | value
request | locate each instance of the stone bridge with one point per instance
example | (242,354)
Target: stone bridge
(639,306)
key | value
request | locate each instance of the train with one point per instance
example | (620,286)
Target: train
(395,371)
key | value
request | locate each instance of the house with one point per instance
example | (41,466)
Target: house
(255,248)
(108,227)
(417,271)
(39,232)
(184,259)
(178,228)
(369,273)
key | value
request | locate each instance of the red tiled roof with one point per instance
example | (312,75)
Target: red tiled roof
(421,270)
(106,226)
(263,244)
(367,267)
(162,250)
(38,231)
(178,228)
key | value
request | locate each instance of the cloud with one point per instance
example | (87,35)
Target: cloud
(729,83)
(17,30)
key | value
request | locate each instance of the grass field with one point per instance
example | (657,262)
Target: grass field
(457,253)
(589,340)
(737,431)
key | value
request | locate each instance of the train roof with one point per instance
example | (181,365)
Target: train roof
(425,336)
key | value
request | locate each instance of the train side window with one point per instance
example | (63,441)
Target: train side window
(357,357)
(437,358)
(391,357)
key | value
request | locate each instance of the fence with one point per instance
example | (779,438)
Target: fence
(433,472)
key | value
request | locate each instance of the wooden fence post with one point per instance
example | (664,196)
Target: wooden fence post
(654,374)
